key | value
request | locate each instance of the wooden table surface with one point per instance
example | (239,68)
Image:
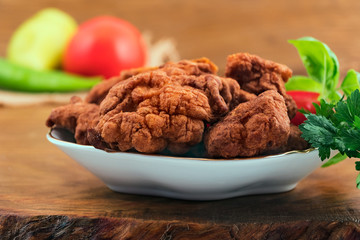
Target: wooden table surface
(46,195)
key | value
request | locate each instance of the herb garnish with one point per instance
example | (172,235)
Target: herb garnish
(336,124)
(335,127)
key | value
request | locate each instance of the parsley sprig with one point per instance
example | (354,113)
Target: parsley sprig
(335,127)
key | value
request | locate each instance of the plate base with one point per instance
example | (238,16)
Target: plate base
(203,196)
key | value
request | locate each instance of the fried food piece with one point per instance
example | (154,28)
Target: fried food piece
(295,141)
(147,132)
(77,117)
(155,110)
(125,74)
(256,75)
(252,128)
(173,91)
(99,91)
(185,67)
(195,67)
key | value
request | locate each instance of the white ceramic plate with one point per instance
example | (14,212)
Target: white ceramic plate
(190,178)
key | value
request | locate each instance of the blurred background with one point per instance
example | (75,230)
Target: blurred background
(217,28)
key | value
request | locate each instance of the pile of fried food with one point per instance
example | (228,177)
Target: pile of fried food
(179,106)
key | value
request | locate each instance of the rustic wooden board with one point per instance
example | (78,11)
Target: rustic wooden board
(46,194)
(63,227)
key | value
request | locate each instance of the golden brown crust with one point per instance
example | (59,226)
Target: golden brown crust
(256,75)
(160,109)
(77,117)
(166,108)
(150,109)
(252,128)
(295,141)
(99,92)
(185,67)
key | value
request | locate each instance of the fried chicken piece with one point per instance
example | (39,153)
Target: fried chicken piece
(257,75)
(207,89)
(125,74)
(77,117)
(155,110)
(147,132)
(252,128)
(99,91)
(185,67)
(295,141)
(195,67)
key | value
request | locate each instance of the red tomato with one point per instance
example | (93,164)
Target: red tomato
(105,46)
(303,100)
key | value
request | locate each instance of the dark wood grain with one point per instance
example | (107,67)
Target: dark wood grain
(63,227)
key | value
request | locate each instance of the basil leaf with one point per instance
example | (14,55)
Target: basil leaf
(302,83)
(335,159)
(334,96)
(317,58)
(351,82)
(321,64)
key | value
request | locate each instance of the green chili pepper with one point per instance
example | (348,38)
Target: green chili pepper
(19,78)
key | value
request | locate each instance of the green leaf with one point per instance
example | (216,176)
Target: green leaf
(320,133)
(342,113)
(302,83)
(353,103)
(321,64)
(358,181)
(318,130)
(351,139)
(324,109)
(333,95)
(357,166)
(347,110)
(324,152)
(304,111)
(340,145)
(357,122)
(350,154)
(313,53)
(335,159)
(351,82)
